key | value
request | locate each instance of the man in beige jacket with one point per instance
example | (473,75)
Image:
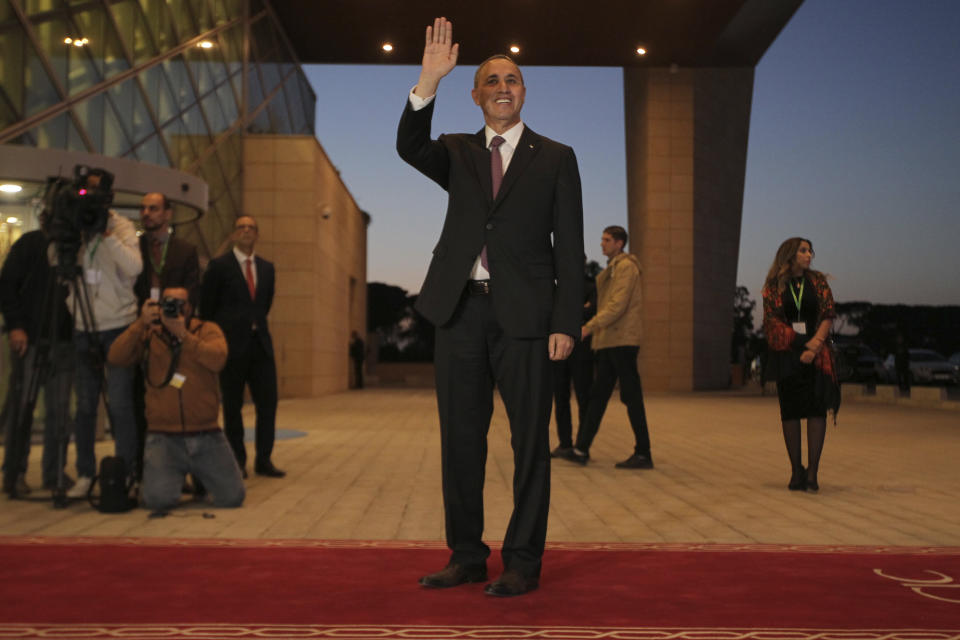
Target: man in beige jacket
(616,331)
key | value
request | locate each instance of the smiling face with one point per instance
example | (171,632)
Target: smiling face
(499,93)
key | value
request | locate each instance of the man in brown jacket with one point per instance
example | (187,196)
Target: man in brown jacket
(182,357)
(616,331)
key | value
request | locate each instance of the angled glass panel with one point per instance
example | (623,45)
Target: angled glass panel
(262,46)
(104,43)
(159,93)
(52,33)
(197,128)
(52,134)
(261,123)
(232,50)
(230,161)
(214,177)
(200,67)
(216,118)
(309,102)
(131,109)
(90,113)
(294,103)
(182,11)
(151,150)
(226,10)
(180,80)
(6,13)
(255,92)
(157,17)
(279,115)
(256,6)
(31,7)
(133,29)
(39,90)
(12,54)
(178,141)
(74,141)
(218,70)
(228,102)
(115,140)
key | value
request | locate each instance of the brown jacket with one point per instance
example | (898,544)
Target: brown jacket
(193,407)
(618,322)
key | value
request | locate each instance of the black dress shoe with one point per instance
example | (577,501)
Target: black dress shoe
(511,583)
(560,452)
(575,456)
(267,469)
(798,480)
(811,485)
(454,575)
(636,461)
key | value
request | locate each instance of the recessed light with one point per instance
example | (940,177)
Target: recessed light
(205,44)
(641,51)
(12,220)
(387,47)
(514,49)
(11,188)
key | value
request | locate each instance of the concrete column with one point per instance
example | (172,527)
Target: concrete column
(686,136)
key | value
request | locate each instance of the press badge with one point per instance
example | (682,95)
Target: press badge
(800,328)
(93,276)
(177,380)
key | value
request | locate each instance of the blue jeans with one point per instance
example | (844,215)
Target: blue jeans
(207,456)
(119,395)
(56,399)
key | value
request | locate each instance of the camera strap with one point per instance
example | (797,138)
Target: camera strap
(176,347)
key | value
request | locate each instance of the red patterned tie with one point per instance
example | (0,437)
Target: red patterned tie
(250,284)
(496,177)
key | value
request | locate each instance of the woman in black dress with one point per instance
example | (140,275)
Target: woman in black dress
(798,312)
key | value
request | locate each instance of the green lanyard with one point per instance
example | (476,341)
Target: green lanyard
(797,298)
(96,246)
(158,269)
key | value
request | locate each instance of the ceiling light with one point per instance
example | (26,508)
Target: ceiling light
(641,51)
(387,47)
(514,49)
(12,220)
(205,44)
(11,188)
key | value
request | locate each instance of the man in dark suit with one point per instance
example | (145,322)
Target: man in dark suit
(236,293)
(167,262)
(505,290)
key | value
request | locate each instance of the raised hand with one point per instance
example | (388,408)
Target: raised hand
(439,57)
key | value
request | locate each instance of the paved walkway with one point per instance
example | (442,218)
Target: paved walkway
(368,468)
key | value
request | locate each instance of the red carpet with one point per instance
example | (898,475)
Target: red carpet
(144,588)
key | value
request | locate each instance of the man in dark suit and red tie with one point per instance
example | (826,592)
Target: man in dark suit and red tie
(505,291)
(236,293)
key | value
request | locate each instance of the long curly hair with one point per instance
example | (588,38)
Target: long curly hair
(782,267)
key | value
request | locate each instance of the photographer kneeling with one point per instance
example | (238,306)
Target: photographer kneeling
(182,358)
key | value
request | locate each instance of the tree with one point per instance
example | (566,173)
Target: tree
(743,331)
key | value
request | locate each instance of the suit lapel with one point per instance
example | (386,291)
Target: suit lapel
(481,164)
(523,155)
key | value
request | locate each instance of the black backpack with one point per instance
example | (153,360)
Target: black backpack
(115,487)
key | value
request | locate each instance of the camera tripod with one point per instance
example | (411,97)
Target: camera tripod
(22,398)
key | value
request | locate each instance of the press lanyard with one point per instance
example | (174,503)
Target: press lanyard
(797,299)
(96,246)
(163,258)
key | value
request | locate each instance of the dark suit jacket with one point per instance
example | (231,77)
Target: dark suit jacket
(181,269)
(536,281)
(225,299)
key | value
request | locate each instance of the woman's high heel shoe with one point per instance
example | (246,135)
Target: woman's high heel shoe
(811,485)
(798,481)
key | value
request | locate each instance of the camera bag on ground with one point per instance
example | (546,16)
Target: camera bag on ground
(115,487)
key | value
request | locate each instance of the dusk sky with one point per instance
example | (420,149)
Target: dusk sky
(854,143)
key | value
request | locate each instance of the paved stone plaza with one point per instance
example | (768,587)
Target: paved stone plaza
(367,467)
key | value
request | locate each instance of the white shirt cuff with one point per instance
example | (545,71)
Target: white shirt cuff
(417,103)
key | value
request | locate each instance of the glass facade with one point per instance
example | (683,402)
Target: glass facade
(163,82)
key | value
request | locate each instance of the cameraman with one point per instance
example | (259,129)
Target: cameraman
(110,260)
(25,280)
(183,356)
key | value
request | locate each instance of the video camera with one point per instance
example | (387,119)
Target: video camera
(76,208)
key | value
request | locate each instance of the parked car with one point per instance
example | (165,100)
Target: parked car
(926,367)
(856,362)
